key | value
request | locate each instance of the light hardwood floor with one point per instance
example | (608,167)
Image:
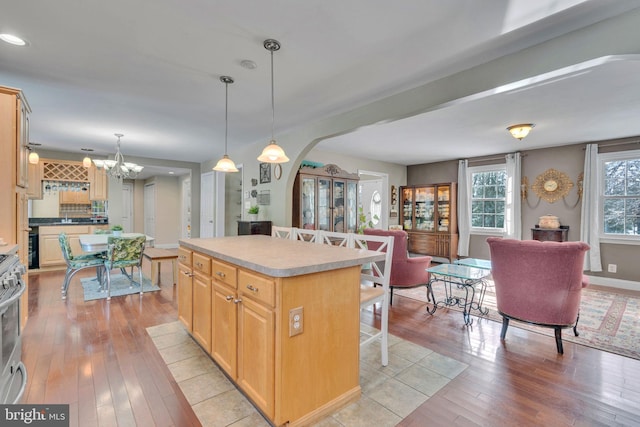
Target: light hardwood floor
(97,357)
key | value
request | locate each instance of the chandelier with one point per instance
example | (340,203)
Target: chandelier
(118,168)
(272,153)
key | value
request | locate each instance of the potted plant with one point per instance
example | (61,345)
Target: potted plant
(117,230)
(253,212)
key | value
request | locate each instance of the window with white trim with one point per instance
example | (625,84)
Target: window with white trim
(620,194)
(488,198)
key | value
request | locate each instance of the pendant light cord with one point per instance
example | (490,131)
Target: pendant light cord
(226,114)
(273,108)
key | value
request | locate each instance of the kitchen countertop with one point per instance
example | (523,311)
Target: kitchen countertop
(280,257)
(43,222)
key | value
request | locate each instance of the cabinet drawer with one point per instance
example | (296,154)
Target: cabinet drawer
(202,263)
(257,287)
(184,256)
(225,273)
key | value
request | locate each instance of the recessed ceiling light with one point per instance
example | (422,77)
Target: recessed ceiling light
(171,172)
(11,39)
(248,64)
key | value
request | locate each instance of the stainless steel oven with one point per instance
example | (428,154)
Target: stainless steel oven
(13,375)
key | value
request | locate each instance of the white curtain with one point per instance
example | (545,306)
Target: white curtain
(464,208)
(513,208)
(590,216)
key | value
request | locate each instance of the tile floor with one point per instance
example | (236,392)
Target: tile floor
(389,393)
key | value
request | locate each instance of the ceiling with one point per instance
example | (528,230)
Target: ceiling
(150,70)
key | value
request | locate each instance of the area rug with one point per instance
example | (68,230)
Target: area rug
(120,285)
(609,321)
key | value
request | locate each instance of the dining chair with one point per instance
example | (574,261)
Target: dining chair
(374,286)
(123,252)
(333,238)
(76,263)
(305,235)
(282,232)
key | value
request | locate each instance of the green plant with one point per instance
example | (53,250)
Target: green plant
(117,227)
(254,210)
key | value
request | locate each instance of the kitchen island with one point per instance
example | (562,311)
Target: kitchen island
(280,317)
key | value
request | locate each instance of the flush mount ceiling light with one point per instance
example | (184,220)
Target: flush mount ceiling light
(118,168)
(225,164)
(86,162)
(12,39)
(272,153)
(34,158)
(520,131)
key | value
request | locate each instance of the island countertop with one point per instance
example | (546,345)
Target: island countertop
(280,257)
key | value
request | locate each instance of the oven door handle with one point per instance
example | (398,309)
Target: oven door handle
(7,303)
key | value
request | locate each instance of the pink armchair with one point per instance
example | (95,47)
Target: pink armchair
(538,282)
(406,272)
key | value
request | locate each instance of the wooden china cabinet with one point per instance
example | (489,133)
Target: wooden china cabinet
(326,198)
(429,217)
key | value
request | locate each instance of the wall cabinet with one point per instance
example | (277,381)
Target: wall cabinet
(34,191)
(429,216)
(74,198)
(98,184)
(326,198)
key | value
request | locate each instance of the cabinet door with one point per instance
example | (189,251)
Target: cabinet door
(351,207)
(67,197)
(407,208)
(324,204)
(82,198)
(22,170)
(444,208)
(34,191)
(338,205)
(424,208)
(50,252)
(256,354)
(308,203)
(185,297)
(224,328)
(97,183)
(202,310)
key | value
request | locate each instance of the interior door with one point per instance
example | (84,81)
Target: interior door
(150,210)
(185,225)
(207,198)
(127,207)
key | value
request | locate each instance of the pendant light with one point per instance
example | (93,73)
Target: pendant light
(86,162)
(225,164)
(272,153)
(34,158)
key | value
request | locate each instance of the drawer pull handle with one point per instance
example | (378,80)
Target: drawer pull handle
(229,297)
(221,274)
(199,264)
(237,301)
(252,289)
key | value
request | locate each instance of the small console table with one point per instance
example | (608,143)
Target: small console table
(551,234)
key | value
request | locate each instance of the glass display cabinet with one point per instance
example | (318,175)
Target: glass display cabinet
(325,198)
(429,217)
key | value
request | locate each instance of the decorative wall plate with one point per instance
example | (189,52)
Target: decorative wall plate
(552,185)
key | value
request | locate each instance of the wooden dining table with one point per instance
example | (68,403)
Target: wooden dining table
(98,242)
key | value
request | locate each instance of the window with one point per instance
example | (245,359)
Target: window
(488,197)
(376,207)
(620,195)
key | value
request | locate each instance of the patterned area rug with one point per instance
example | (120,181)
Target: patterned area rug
(609,321)
(120,285)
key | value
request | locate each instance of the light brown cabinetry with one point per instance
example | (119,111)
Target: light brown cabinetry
(14,137)
(34,191)
(429,216)
(74,198)
(185,288)
(201,329)
(49,245)
(326,199)
(292,379)
(98,184)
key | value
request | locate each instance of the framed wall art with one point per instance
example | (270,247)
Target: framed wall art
(265,173)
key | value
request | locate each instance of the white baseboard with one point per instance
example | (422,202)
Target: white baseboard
(614,283)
